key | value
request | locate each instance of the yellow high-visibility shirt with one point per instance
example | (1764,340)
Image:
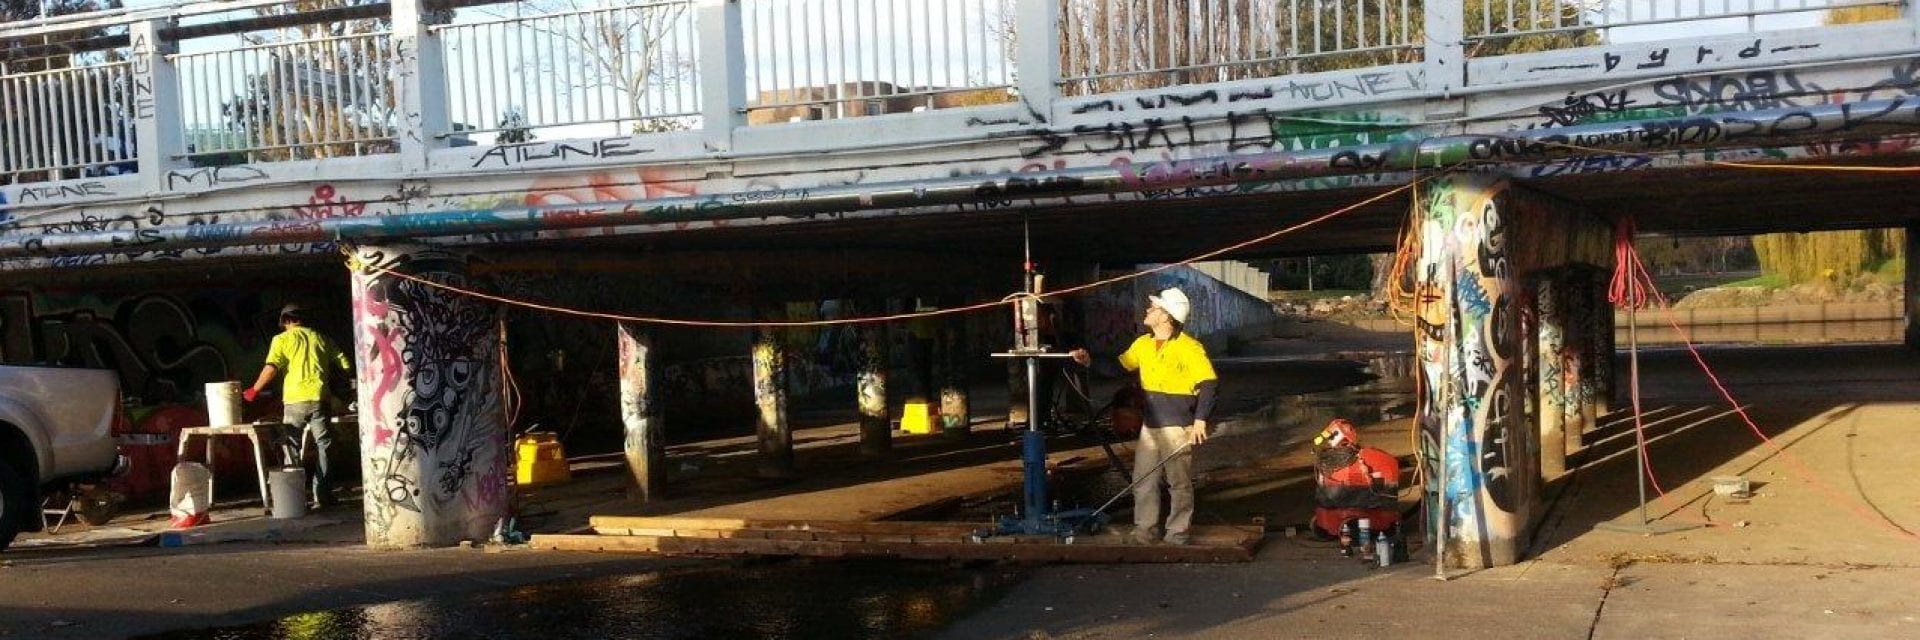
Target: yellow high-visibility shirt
(302,356)
(1176,376)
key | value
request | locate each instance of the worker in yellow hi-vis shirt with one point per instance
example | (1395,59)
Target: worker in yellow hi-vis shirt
(1180,387)
(308,361)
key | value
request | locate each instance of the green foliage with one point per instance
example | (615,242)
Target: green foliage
(1351,273)
(1831,255)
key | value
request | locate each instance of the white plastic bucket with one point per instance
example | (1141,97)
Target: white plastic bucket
(223,403)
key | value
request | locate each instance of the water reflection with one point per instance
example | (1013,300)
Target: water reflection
(784,600)
(1379,390)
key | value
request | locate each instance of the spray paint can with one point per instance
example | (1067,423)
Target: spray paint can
(1365,540)
(1346,539)
(1383,548)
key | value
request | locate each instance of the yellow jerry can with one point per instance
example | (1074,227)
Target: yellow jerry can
(917,417)
(540,460)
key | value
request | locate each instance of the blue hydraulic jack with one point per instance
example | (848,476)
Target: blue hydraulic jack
(1038,517)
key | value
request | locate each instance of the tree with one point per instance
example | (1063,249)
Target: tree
(92,135)
(1123,45)
(325,93)
(1833,256)
(628,49)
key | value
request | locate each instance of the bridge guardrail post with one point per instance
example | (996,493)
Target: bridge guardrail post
(723,72)
(420,79)
(159,123)
(1446,59)
(1037,56)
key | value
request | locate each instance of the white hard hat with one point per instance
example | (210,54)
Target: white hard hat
(1174,302)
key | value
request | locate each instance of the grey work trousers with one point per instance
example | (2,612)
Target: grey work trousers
(1157,444)
(309,419)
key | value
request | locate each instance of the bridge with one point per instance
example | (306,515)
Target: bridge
(722,158)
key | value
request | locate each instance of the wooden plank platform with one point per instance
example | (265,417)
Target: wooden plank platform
(902,540)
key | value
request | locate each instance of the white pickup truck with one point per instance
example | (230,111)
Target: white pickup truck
(56,427)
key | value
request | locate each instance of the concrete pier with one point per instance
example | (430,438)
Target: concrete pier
(870,389)
(770,400)
(1551,320)
(433,432)
(639,411)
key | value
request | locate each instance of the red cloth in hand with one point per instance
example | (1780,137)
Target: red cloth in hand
(250,394)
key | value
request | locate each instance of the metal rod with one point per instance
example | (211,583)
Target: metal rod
(1633,387)
(1183,450)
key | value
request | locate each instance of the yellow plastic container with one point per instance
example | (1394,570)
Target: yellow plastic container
(541,460)
(917,417)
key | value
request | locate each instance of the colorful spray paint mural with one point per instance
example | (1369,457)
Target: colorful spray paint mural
(1469,349)
(1480,239)
(433,431)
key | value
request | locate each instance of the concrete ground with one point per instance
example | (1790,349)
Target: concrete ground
(1824,549)
(1817,552)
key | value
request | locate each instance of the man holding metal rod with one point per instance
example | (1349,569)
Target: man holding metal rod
(1180,387)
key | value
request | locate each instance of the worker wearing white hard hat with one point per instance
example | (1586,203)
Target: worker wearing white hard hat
(1180,387)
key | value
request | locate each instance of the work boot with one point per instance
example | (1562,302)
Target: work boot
(1179,540)
(1143,538)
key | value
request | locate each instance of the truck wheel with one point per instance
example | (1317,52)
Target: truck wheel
(16,501)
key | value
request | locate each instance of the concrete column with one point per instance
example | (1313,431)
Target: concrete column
(723,72)
(1445,59)
(640,412)
(956,417)
(158,137)
(1037,55)
(1550,318)
(870,387)
(1577,358)
(1470,349)
(1912,294)
(770,397)
(433,430)
(420,83)
(1602,348)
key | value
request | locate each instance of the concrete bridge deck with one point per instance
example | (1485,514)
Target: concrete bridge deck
(1156,167)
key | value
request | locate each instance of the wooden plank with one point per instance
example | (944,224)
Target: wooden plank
(612,524)
(1087,552)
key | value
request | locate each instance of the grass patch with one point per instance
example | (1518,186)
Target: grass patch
(1768,281)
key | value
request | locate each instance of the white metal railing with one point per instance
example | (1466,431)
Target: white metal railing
(820,59)
(1113,45)
(680,64)
(1538,25)
(300,99)
(66,122)
(634,67)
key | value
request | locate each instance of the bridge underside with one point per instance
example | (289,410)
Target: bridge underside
(1683,202)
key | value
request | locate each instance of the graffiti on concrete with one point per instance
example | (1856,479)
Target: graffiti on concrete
(153,341)
(1470,361)
(433,428)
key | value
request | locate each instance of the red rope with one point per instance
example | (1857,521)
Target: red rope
(1853,502)
(1627,290)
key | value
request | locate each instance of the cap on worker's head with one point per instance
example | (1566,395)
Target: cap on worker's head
(1174,302)
(1339,433)
(293,312)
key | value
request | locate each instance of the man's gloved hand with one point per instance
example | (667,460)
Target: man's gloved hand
(250,394)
